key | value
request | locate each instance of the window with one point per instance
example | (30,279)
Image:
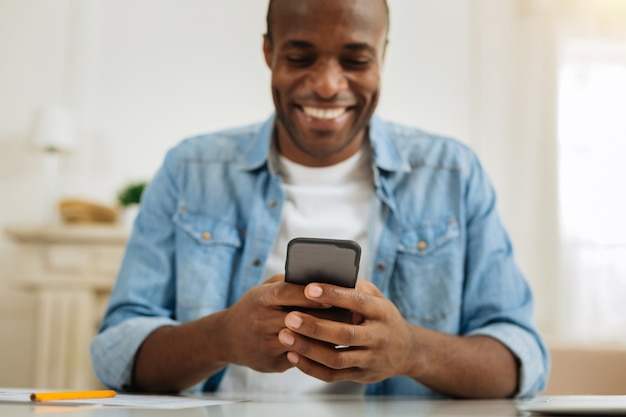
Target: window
(592,184)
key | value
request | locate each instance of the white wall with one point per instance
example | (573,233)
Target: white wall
(142,74)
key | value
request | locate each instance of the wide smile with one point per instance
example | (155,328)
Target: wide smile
(324,118)
(324,113)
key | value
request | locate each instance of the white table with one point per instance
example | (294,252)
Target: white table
(297,407)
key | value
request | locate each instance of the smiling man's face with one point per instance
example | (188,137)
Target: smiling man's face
(326,58)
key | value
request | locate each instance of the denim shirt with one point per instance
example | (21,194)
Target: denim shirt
(209,217)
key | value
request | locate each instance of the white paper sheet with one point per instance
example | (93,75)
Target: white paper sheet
(169,402)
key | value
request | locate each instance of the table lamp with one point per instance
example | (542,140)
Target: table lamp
(54,133)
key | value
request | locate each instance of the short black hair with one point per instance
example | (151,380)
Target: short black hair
(269,17)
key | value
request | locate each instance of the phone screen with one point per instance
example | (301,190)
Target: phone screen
(331,261)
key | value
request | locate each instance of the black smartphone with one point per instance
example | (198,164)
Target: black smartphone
(330,261)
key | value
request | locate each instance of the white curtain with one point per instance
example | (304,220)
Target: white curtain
(514,132)
(592,147)
(517,60)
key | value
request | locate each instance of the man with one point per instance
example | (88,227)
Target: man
(440,307)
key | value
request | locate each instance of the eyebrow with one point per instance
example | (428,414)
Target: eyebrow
(360,47)
(357,46)
(298,44)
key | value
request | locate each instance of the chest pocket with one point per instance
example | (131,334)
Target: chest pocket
(429,238)
(207,255)
(207,230)
(427,283)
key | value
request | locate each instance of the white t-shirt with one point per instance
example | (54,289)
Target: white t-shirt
(328,202)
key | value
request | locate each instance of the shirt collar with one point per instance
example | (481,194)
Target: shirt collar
(258,151)
(385,150)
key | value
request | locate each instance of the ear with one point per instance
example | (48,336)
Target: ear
(267,50)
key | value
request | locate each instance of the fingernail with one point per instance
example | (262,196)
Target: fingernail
(293,321)
(314,291)
(292,357)
(286,338)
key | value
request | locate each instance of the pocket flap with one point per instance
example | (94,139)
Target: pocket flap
(207,230)
(428,237)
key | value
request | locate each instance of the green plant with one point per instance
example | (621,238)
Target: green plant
(131,193)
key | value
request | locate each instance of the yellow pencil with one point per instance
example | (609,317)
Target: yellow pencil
(71,395)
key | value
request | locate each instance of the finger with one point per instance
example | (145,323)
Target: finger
(358,301)
(282,294)
(328,331)
(322,372)
(322,353)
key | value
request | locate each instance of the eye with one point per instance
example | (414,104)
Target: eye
(299,60)
(356,63)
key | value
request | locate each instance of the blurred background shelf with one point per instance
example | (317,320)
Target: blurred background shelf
(64,277)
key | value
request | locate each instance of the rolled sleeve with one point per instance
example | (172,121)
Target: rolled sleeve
(534,361)
(113,350)
(498,301)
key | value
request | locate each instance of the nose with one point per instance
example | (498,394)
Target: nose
(327,78)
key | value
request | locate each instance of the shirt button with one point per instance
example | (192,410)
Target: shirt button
(422,245)
(273,203)
(380,267)
(206,235)
(256,262)
(182,209)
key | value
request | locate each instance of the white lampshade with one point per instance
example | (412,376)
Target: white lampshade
(55,130)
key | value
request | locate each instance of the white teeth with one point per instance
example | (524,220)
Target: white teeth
(324,114)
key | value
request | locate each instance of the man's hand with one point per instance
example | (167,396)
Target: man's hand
(173,358)
(252,324)
(380,343)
